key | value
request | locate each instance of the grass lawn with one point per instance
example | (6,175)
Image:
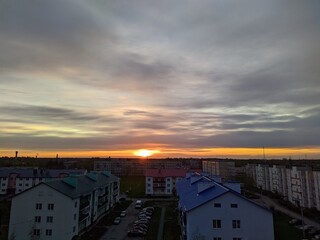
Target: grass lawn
(154,224)
(282,228)
(5,215)
(171,229)
(135,185)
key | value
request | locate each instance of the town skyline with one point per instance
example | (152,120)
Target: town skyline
(211,79)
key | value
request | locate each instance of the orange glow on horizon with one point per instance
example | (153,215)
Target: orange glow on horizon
(255,153)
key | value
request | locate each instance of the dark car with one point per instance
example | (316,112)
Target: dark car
(117,220)
(136,233)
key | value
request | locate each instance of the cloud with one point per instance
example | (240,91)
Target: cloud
(120,74)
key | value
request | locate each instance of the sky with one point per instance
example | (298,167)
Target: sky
(183,78)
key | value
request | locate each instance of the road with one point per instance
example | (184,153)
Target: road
(119,232)
(266,201)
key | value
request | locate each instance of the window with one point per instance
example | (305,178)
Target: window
(75,216)
(237,238)
(50,206)
(168,185)
(37,219)
(36,232)
(74,228)
(216,223)
(49,219)
(235,223)
(217,238)
(234,205)
(27,185)
(149,185)
(38,206)
(217,205)
(48,232)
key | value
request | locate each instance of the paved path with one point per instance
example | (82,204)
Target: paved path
(119,232)
(161,224)
(264,200)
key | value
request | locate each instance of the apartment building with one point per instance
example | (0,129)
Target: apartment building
(62,209)
(297,184)
(16,180)
(278,181)
(137,166)
(224,169)
(210,210)
(163,181)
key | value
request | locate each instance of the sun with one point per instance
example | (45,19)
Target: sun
(144,153)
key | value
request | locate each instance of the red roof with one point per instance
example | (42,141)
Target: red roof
(166,172)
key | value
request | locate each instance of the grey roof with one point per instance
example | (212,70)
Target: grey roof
(39,172)
(76,186)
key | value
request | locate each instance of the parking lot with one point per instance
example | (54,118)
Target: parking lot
(119,232)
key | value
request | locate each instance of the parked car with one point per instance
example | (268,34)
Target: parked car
(293,221)
(136,233)
(141,225)
(144,218)
(117,220)
(138,204)
(138,227)
(144,221)
(305,227)
(146,213)
(123,213)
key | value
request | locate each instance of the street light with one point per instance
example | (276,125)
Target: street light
(301,211)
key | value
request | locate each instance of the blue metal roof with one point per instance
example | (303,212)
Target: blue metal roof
(195,192)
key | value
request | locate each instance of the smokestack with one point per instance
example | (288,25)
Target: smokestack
(16,154)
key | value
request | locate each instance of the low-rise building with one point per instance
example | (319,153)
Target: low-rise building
(62,209)
(210,210)
(163,181)
(16,180)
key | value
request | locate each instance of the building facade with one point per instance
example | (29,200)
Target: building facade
(224,169)
(62,209)
(163,181)
(138,166)
(16,180)
(209,210)
(297,184)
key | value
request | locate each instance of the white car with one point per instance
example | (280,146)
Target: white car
(123,214)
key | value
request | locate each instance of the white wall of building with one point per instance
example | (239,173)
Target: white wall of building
(24,212)
(254,220)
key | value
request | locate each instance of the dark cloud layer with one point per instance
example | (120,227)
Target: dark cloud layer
(120,74)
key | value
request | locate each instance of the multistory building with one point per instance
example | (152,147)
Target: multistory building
(16,180)
(210,210)
(224,169)
(62,209)
(163,181)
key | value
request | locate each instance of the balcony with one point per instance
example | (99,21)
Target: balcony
(84,204)
(82,216)
(85,210)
